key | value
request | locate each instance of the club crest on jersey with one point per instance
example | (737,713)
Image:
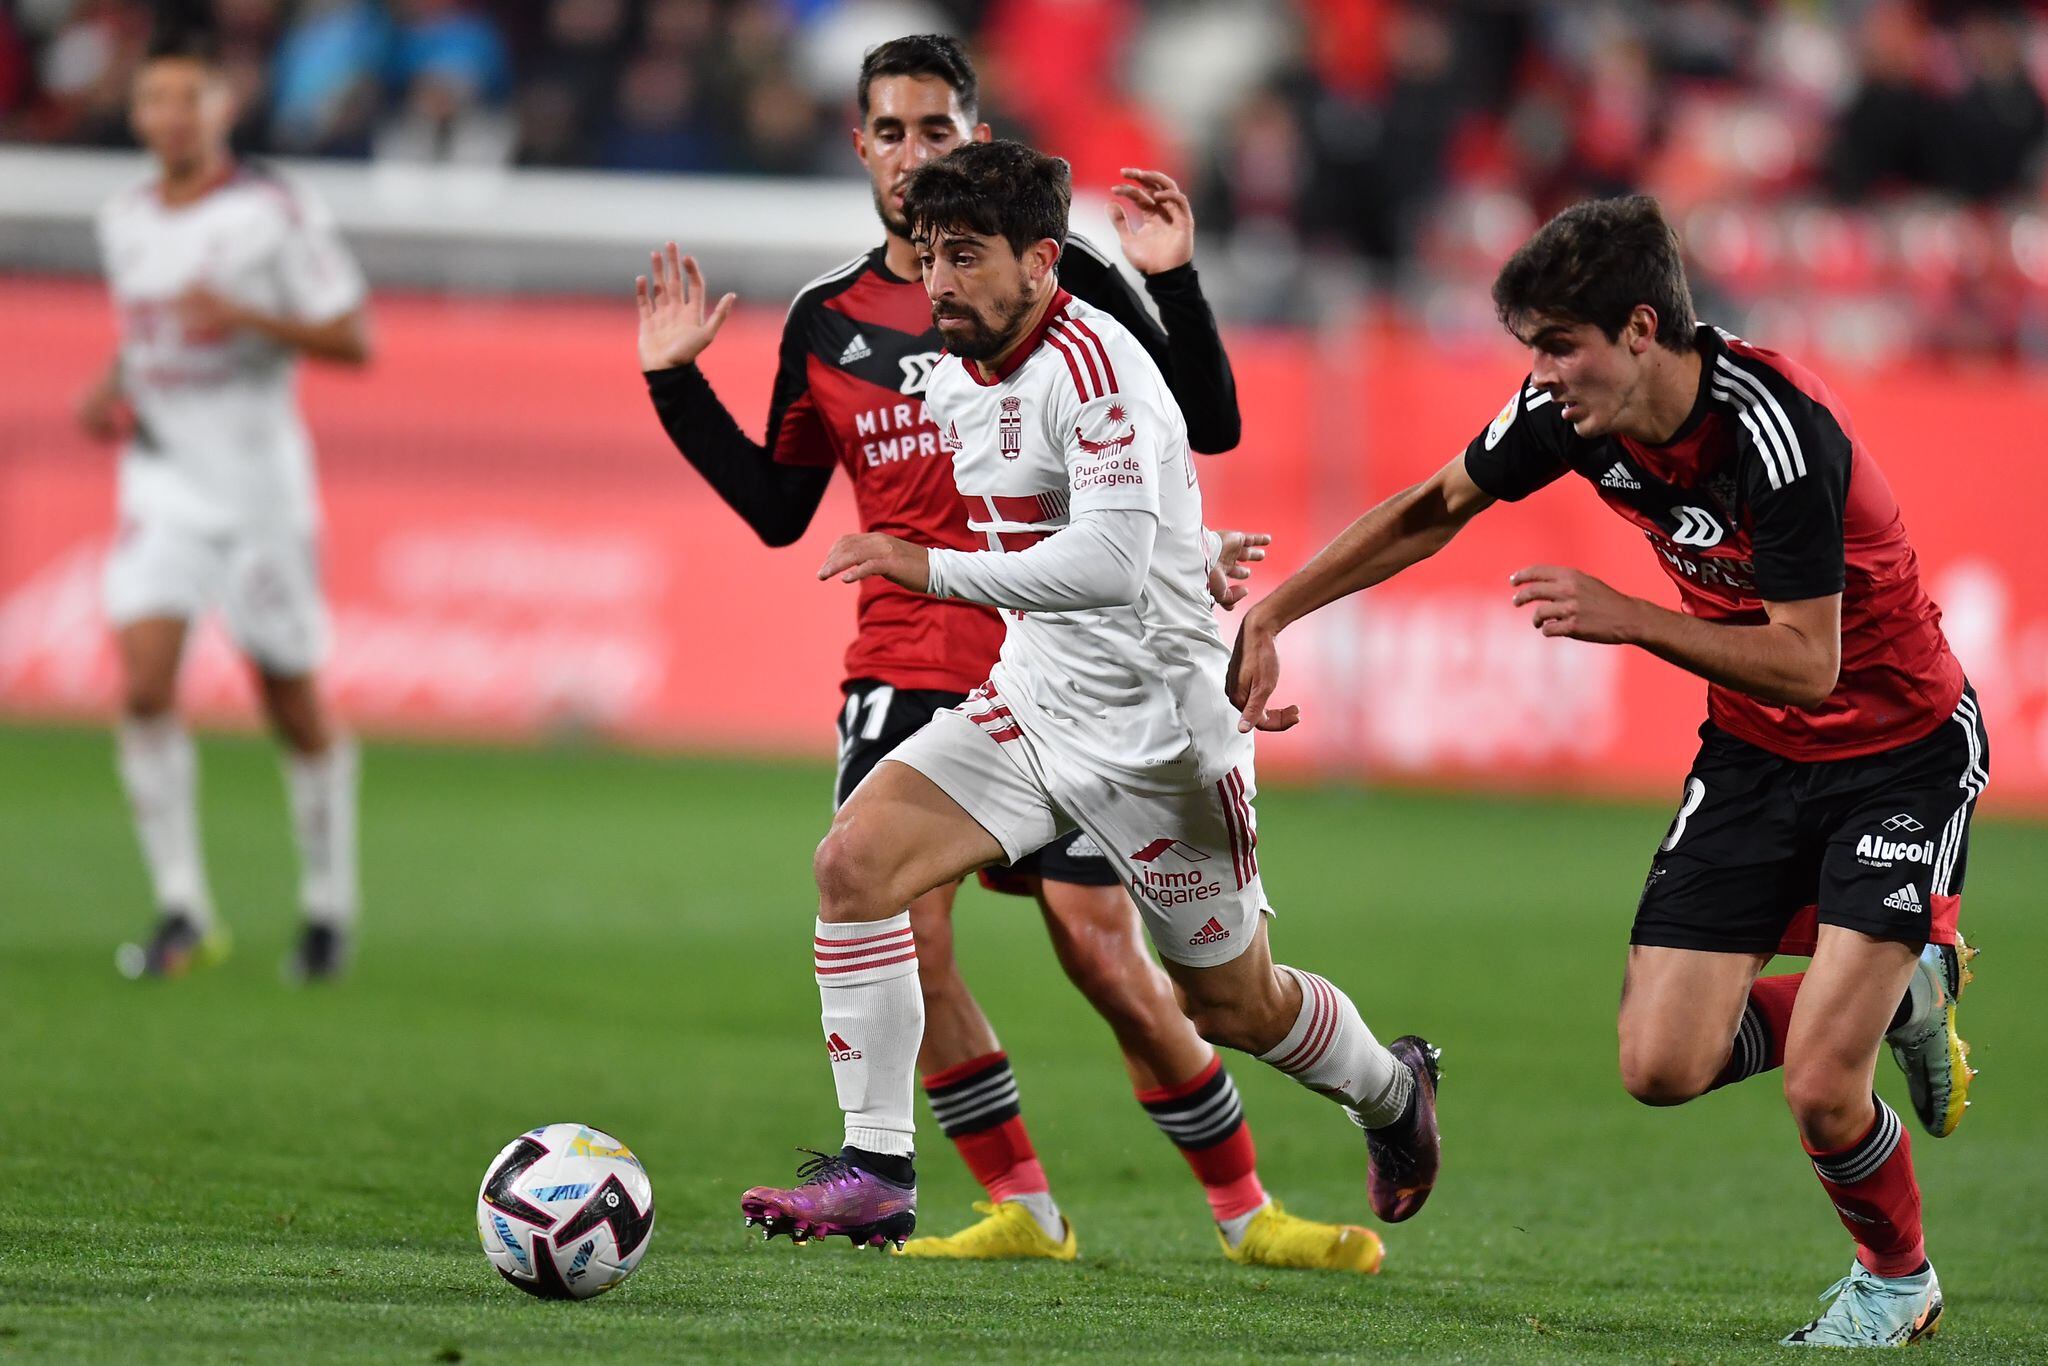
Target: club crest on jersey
(1010,426)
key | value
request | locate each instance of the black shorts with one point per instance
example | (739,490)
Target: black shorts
(1876,843)
(877,717)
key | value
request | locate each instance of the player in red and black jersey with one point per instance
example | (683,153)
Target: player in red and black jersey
(1828,812)
(857,347)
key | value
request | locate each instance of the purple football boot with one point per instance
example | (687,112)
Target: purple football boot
(832,1197)
(1402,1159)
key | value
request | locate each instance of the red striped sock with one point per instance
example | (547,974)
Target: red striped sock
(1872,1185)
(978,1108)
(1205,1120)
(1760,1035)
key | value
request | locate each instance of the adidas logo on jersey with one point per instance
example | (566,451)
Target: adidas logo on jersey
(857,349)
(839,1050)
(1907,898)
(1211,933)
(1619,478)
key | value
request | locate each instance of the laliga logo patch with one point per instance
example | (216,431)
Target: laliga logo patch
(1500,425)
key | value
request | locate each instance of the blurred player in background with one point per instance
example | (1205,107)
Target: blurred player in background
(858,347)
(222,275)
(1843,753)
(1105,711)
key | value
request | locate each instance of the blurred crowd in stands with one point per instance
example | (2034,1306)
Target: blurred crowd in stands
(1865,175)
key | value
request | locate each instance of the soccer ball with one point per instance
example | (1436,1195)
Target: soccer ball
(565,1212)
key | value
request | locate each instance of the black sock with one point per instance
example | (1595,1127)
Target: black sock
(889,1166)
(1903,1013)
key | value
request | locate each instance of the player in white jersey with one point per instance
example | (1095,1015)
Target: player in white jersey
(222,275)
(1105,713)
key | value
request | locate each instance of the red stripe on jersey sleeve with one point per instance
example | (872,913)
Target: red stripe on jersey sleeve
(1065,331)
(1066,350)
(1100,350)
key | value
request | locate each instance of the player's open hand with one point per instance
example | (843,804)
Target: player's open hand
(674,326)
(1154,221)
(1234,558)
(1574,604)
(871,553)
(1254,673)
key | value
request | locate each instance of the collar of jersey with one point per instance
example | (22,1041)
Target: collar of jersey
(1707,342)
(1054,311)
(230,170)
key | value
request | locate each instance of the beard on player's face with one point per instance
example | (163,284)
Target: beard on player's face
(982,333)
(893,220)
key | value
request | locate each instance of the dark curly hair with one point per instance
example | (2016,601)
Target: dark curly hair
(1594,263)
(991,189)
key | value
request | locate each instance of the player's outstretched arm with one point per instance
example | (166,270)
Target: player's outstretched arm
(775,499)
(1792,660)
(343,339)
(1408,527)
(1156,228)
(1098,560)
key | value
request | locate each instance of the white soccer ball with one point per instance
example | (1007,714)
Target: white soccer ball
(565,1212)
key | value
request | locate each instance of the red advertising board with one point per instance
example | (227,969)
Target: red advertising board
(512,549)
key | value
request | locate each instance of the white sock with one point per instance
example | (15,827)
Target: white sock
(872,1009)
(1330,1050)
(322,790)
(160,772)
(1046,1211)
(1235,1227)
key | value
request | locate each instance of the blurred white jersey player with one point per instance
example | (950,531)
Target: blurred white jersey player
(222,275)
(1106,712)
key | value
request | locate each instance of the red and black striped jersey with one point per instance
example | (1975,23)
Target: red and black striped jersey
(1764,494)
(858,347)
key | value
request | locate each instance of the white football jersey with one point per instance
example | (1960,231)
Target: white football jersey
(1080,419)
(219,443)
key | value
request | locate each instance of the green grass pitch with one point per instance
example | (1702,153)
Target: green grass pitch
(226,1169)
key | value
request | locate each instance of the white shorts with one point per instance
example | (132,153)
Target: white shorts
(1189,859)
(266,585)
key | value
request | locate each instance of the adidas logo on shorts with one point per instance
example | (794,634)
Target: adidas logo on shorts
(1211,933)
(1907,898)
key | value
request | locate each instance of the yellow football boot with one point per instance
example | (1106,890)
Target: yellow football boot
(1277,1238)
(177,946)
(1007,1233)
(1927,1047)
